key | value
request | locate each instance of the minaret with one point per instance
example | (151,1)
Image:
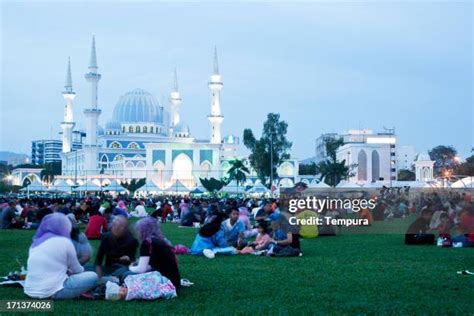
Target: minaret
(215,85)
(175,101)
(68,123)
(92,113)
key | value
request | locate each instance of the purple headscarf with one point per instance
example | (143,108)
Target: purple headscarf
(149,228)
(52,225)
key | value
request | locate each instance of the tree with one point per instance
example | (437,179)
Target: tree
(444,158)
(308,169)
(466,168)
(134,185)
(238,172)
(330,169)
(406,175)
(272,146)
(50,170)
(212,184)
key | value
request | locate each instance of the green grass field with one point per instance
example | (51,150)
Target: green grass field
(363,274)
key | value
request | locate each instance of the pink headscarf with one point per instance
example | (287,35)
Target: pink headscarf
(122,205)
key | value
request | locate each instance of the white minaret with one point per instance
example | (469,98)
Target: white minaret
(68,123)
(92,113)
(175,101)
(215,85)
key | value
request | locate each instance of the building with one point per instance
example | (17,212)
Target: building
(321,153)
(370,156)
(49,150)
(424,167)
(144,139)
(406,156)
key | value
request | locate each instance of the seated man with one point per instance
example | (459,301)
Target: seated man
(118,247)
(418,232)
(233,227)
(9,219)
(97,225)
(267,213)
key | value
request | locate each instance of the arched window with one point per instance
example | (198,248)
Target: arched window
(115,145)
(137,129)
(123,129)
(133,145)
(119,157)
(130,129)
(151,129)
(145,129)
(362,166)
(375,166)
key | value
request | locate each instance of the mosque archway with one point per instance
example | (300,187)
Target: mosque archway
(183,170)
(375,166)
(362,166)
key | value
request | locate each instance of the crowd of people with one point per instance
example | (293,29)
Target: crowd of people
(132,254)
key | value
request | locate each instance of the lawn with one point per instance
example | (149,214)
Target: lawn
(350,273)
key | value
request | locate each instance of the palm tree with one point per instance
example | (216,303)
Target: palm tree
(237,171)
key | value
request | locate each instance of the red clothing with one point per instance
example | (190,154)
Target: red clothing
(166,210)
(466,224)
(97,224)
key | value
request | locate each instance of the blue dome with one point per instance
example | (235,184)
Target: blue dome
(137,106)
(113,126)
(181,128)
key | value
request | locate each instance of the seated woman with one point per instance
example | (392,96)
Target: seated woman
(210,240)
(53,268)
(156,253)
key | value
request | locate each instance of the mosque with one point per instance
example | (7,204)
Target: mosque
(143,139)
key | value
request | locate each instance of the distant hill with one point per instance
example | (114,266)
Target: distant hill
(14,158)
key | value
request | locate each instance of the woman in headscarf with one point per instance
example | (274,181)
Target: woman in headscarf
(156,253)
(53,268)
(210,240)
(121,209)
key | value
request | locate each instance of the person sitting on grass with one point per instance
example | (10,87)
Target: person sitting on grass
(53,268)
(118,247)
(156,253)
(261,242)
(9,219)
(121,209)
(419,232)
(233,228)
(139,211)
(283,242)
(210,240)
(465,227)
(97,225)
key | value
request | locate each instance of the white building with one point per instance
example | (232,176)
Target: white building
(406,156)
(371,156)
(143,139)
(424,167)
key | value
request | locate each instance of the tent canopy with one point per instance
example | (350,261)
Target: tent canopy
(467,182)
(115,187)
(89,186)
(61,186)
(258,188)
(177,187)
(232,187)
(35,186)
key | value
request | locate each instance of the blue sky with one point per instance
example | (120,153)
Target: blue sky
(324,66)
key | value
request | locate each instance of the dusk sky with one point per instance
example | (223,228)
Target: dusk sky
(325,67)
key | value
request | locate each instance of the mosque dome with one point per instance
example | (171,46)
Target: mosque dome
(423,156)
(138,106)
(181,129)
(112,125)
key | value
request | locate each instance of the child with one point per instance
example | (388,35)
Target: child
(260,243)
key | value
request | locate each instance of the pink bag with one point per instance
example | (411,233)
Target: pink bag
(181,250)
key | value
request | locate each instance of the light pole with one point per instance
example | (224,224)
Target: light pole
(271,165)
